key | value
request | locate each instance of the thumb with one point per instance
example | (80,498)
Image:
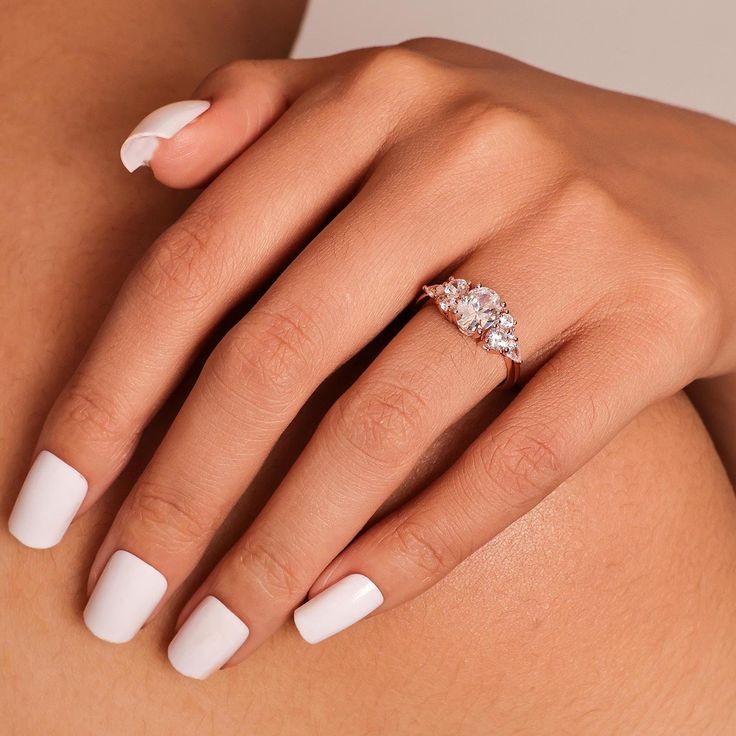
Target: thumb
(187,143)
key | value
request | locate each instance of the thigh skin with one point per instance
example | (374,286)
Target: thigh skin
(609,609)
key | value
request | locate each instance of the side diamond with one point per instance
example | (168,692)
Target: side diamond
(455,287)
(434,291)
(503,340)
(506,321)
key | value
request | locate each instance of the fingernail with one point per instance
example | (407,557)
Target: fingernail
(339,606)
(166,122)
(127,592)
(47,503)
(208,638)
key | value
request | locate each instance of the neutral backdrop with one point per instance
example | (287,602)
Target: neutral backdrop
(678,51)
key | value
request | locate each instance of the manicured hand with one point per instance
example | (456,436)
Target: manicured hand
(605,223)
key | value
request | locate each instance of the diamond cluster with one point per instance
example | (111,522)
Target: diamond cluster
(479,312)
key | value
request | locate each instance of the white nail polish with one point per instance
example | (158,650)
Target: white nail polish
(166,122)
(337,607)
(207,640)
(47,503)
(127,592)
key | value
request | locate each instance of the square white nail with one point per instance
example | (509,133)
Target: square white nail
(126,594)
(337,607)
(207,640)
(47,503)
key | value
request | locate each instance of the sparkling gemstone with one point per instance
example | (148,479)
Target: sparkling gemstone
(455,287)
(498,340)
(506,321)
(435,291)
(513,353)
(477,310)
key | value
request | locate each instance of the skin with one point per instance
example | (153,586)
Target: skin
(589,196)
(608,609)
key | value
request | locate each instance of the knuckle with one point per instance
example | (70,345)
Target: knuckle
(184,266)
(272,356)
(273,569)
(426,43)
(381,422)
(685,310)
(230,72)
(93,414)
(169,517)
(581,205)
(484,113)
(462,54)
(258,74)
(398,68)
(490,132)
(687,291)
(589,203)
(425,550)
(702,304)
(522,464)
(682,308)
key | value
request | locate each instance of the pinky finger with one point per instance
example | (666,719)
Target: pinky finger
(560,420)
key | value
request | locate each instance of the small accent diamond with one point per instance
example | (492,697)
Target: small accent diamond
(513,353)
(435,291)
(455,287)
(497,340)
(506,321)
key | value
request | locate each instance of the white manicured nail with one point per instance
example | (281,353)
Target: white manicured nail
(125,595)
(339,606)
(208,638)
(166,122)
(47,503)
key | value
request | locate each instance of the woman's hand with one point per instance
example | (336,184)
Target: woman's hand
(604,221)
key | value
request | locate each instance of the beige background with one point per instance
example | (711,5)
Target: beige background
(678,51)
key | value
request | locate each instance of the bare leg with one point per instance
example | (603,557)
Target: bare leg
(607,610)
(715,400)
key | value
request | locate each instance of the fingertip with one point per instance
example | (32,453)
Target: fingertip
(47,503)
(186,161)
(208,640)
(341,605)
(164,123)
(198,153)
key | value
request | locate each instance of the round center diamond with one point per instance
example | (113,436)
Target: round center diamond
(477,310)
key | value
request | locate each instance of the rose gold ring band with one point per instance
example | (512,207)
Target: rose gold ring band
(479,312)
